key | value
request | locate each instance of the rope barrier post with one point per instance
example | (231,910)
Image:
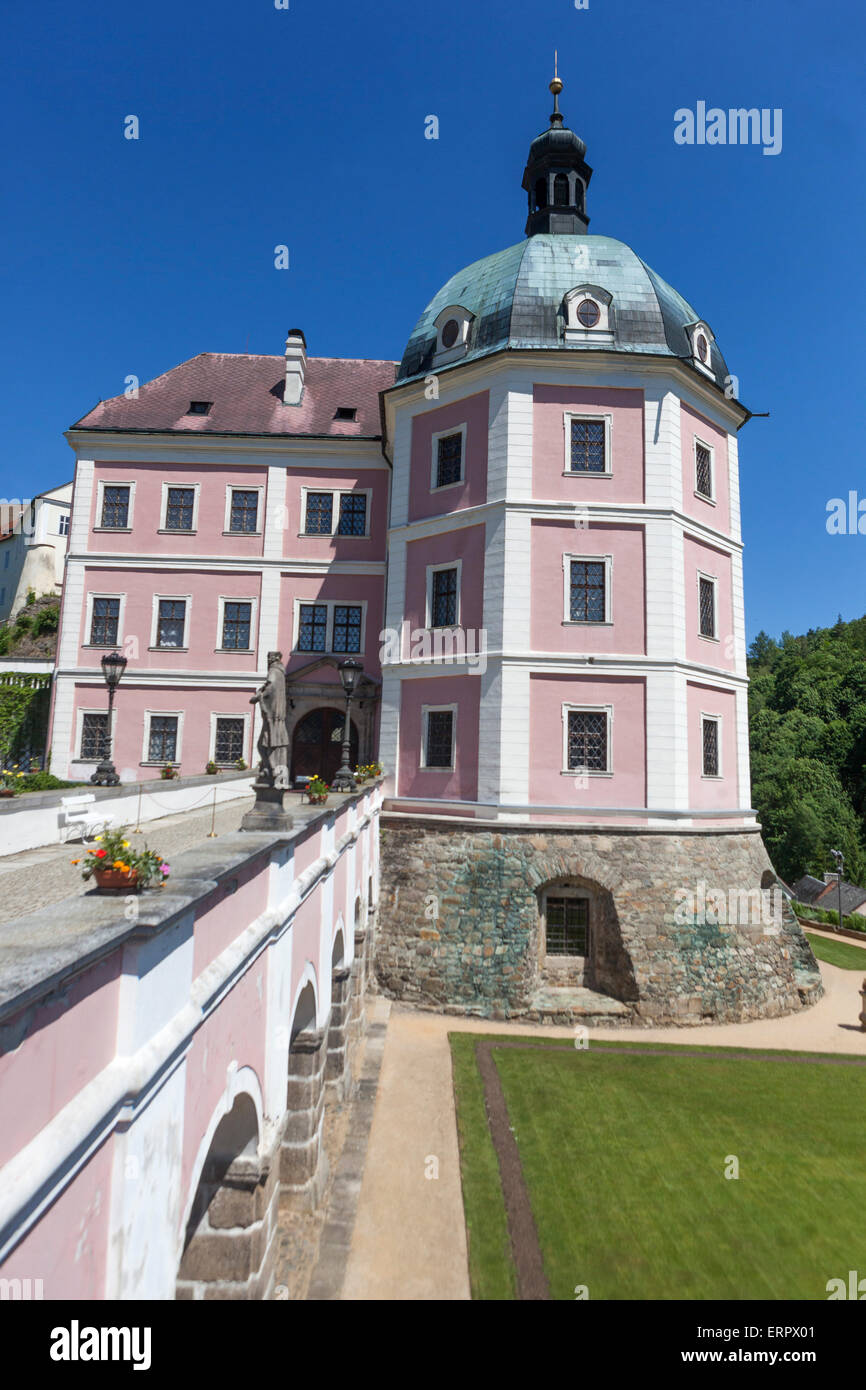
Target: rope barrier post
(212,835)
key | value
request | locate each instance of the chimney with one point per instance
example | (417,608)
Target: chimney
(296,364)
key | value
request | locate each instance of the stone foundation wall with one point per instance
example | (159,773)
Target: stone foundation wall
(301,1165)
(459,921)
(231,1254)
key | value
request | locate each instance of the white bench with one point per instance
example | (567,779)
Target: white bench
(80,817)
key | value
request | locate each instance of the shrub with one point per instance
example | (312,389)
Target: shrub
(46,620)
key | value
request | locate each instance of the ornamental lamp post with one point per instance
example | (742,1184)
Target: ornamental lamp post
(350,674)
(840,865)
(113,667)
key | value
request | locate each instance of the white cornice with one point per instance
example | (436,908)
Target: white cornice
(106,447)
(258,564)
(567,663)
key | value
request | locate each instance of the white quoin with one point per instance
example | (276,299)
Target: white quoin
(296,365)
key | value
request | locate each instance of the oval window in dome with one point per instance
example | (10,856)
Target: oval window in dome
(587,313)
(450,333)
(703,347)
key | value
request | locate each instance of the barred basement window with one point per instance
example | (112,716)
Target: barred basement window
(104,622)
(162,738)
(313,628)
(237,621)
(711,747)
(170,622)
(179,509)
(353,514)
(443,606)
(244,512)
(449,460)
(320,510)
(228,741)
(588,446)
(567,926)
(587,741)
(347,628)
(115,506)
(94,733)
(588,597)
(707,608)
(703,471)
(440,738)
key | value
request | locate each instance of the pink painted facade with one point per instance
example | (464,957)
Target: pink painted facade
(709,563)
(622,408)
(623,701)
(460,781)
(717,791)
(554,545)
(716,511)
(425,499)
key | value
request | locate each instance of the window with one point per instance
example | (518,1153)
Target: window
(346,412)
(566,926)
(703,471)
(588,592)
(353,514)
(587,740)
(170,622)
(588,313)
(449,459)
(199,407)
(63,525)
(162,738)
(450,333)
(179,508)
(244,510)
(347,628)
(115,506)
(707,606)
(228,741)
(710,741)
(588,451)
(313,628)
(453,325)
(94,733)
(104,622)
(541,193)
(443,598)
(335,513)
(561,194)
(237,625)
(320,508)
(439,737)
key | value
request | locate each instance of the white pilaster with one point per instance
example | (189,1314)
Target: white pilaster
(663,447)
(275,515)
(667,740)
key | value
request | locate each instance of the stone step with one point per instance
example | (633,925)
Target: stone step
(560,1003)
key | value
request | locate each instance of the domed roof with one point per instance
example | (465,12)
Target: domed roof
(517,298)
(560,142)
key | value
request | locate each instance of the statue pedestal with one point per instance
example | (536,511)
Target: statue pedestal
(272,810)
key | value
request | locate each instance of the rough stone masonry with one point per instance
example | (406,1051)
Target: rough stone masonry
(460,921)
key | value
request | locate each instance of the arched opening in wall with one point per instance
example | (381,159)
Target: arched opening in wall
(305,1013)
(317,744)
(227,1237)
(358,923)
(579,938)
(339,952)
(561,191)
(370,902)
(541,193)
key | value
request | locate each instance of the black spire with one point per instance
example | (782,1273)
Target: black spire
(556,177)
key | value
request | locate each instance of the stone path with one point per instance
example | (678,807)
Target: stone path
(38,877)
(409,1238)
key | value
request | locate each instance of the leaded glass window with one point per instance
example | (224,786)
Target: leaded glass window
(347,628)
(162,738)
(104,622)
(170,622)
(228,741)
(440,729)
(588,446)
(587,591)
(320,511)
(94,734)
(703,471)
(707,607)
(244,511)
(449,460)
(313,629)
(353,514)
(237,620)
(443,606)
(115,506)
(567,926)
(179,508)
(711,747)
(587,740)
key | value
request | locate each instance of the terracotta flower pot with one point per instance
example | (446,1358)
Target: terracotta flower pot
(114,880)
(6,791)
(320,799)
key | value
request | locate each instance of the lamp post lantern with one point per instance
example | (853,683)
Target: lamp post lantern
(840,865)
(350,674)
(113,667)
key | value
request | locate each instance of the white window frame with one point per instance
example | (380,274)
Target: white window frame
(714,580)
(221,605)
(88,621)
(717,720)
(229,714)
(694,333)
(101,485)
(164,528)
(428,615)
(575,332)
(336,494)
(606,710)
(434,457)
(595,416)
(709,498)
(187,621)
(607,561)
(438,709)
(464,318)
(79,730)
(244,487)
(63,524)
(149,714)
(330,604)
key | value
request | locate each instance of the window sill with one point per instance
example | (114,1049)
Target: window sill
(447,487)
(586,473)
(175,531)
(712,777)
(585,622)
(114,529)
(331,536)
(252,534)
(176,767)
(583,772)
(234,651)
(706,638)
(168,649)
(422,767)
(100,646)
(298,651)
(702,497)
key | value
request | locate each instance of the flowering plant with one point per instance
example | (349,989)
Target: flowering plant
(113,851)
(368,771)
(10,776)
(168,772)
(317,786)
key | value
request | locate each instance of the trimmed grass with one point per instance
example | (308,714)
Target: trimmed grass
(845,954)
(624,1157)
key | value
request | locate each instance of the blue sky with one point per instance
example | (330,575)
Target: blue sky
(305,127)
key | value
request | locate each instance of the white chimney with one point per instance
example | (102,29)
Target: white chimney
(296,365)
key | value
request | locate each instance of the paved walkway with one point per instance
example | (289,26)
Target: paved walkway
(38,877)
(409,1240)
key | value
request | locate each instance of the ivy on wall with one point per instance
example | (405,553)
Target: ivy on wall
(24,703)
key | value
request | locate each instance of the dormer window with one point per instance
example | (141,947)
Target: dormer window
(588,314)
(199,407)
(701,340)
(452,326)
(346,412)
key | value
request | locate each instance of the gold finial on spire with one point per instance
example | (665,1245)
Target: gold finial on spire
(556,84)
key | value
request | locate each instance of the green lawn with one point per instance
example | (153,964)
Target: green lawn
(624,1159)
(843,953)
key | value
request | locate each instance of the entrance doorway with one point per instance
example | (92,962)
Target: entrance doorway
(317,745)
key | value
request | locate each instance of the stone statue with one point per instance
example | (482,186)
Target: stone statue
(274,737)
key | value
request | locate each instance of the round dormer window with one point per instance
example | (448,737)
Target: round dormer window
(703,347)
(587,313)
(450,333)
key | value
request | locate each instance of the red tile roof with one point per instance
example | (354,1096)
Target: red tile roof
(247,396)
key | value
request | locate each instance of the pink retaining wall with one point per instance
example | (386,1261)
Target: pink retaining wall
(626,784)
(210,536)
(460,782)
(625,407)
(552,542)
(712,793)
(473,412)
(718,512)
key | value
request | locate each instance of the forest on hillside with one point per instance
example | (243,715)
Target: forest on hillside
(807,716)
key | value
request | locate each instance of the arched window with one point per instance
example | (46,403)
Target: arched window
(578,194)
(541,193)
(561,194)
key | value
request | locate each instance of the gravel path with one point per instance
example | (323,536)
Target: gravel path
(37,877)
